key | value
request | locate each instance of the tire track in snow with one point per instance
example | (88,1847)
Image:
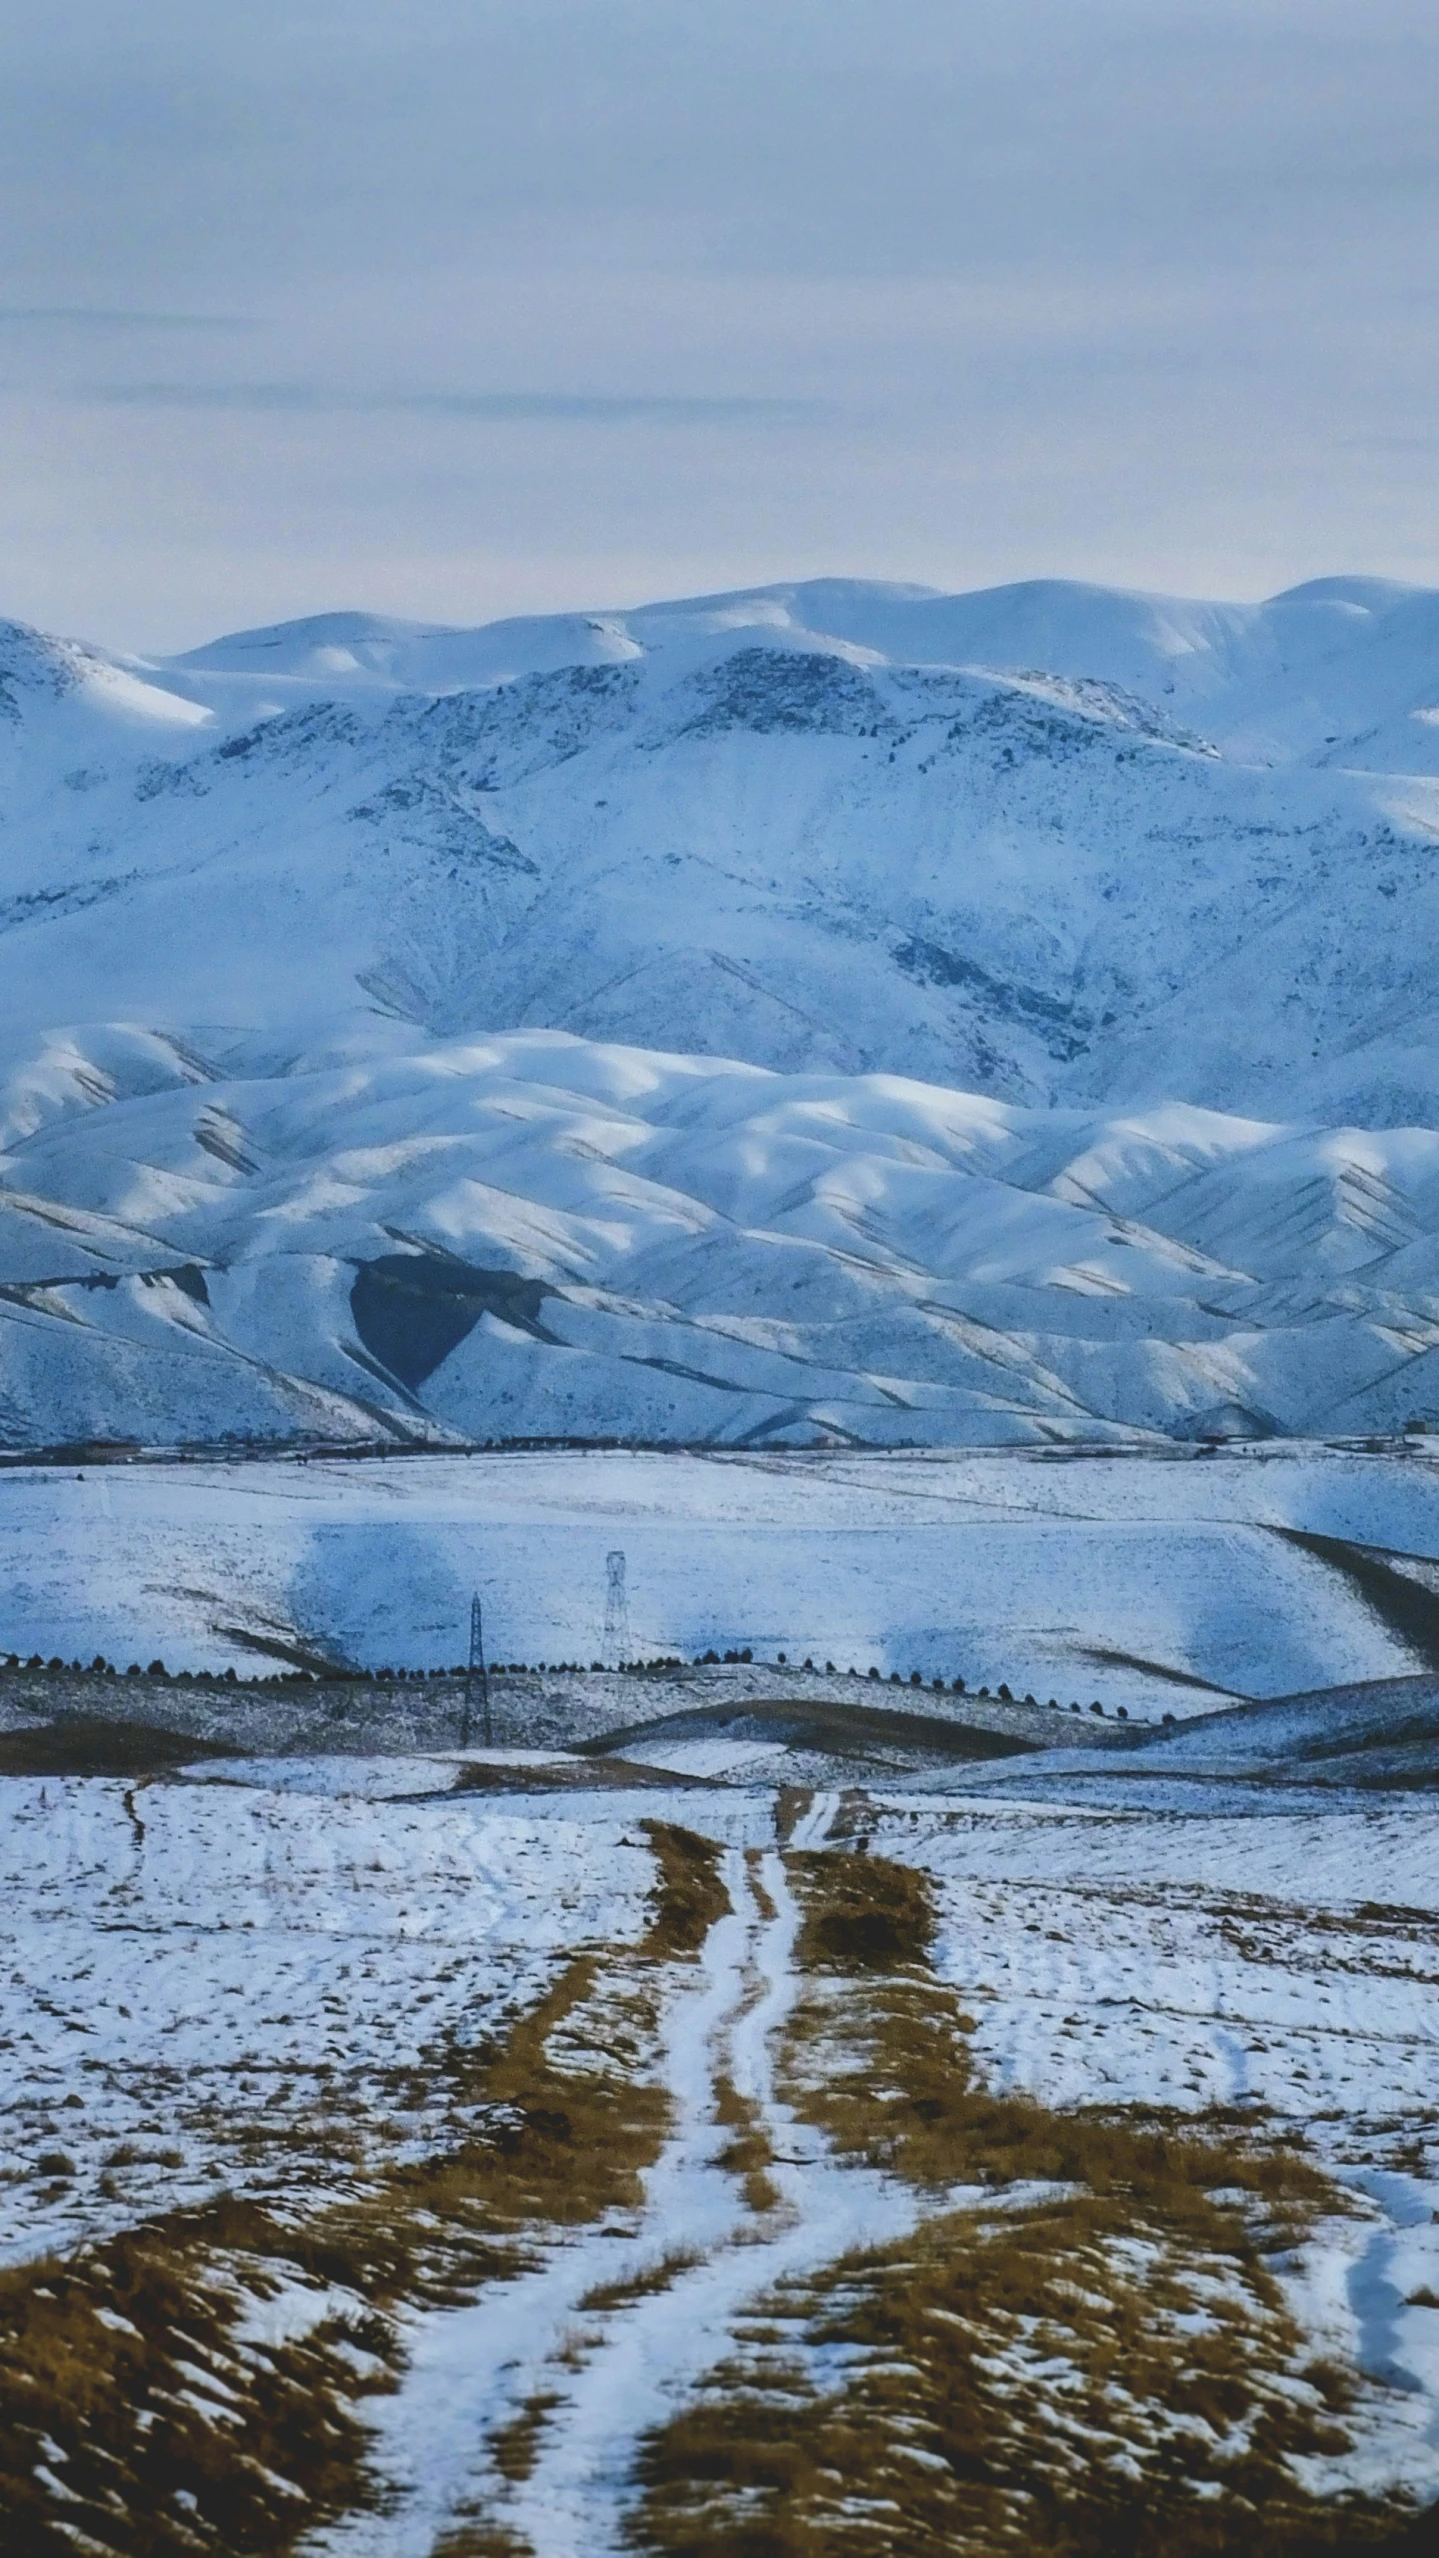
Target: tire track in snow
(605,2377)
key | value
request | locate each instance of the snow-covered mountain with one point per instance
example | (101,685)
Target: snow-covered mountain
(1154,883)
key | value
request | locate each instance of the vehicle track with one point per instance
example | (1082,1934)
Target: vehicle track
(611,2334)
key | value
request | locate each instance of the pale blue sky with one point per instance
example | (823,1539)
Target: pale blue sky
(460,307)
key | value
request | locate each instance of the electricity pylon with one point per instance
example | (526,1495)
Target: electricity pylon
(617,1608)
(478,1671)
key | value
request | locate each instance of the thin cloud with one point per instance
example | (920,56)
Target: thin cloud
(311,400)
(83,316)
(1389,443)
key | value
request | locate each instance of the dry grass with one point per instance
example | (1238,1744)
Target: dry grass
(690,1895)
(122,2378)
(574,1776)
(880,2061)
(515,2448)
(1104,2369)
(747,2153)
(478,2538)
(861,1913)
(1015,2389)
(169,2403)
(605,2298)
(1107,2371)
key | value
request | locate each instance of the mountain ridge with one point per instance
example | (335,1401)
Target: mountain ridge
(734,833)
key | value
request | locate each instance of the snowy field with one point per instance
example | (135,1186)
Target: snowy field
(251,1988)
(224,1959)
(718,2136)
(1167,1585)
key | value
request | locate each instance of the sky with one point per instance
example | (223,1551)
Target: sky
(464,307)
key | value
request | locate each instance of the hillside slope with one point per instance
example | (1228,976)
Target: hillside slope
(544,1237)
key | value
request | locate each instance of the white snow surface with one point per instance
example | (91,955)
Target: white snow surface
(208,1967)
(1281,1962)
(473,2371)
(1168,1585)
(1192,1961)
(1050,843)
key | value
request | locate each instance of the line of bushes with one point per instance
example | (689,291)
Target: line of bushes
(386,1676)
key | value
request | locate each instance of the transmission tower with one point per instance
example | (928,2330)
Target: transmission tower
(477,1671)
(617,1607)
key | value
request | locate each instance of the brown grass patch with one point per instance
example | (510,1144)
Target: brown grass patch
(1108,2371)
(122,2379)
(747,2153)
(861,1913)
(275,2444)
(689,1896)
(1069,2383)
(515,2448)
(880,2060)
(574,1776)
(605,2298)
(477,2538)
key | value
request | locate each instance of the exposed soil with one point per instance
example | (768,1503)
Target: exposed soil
(833,1728)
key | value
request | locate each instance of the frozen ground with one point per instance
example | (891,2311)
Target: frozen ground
(245,1981)
(473,2373)
(1200,1960)
(1170,1584)
(1287,1966)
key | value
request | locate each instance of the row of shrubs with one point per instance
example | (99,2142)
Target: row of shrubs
(712,1660)
(101,1668)
(955,1687)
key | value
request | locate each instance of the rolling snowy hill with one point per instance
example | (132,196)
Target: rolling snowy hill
(542,1237)
(1080,929)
